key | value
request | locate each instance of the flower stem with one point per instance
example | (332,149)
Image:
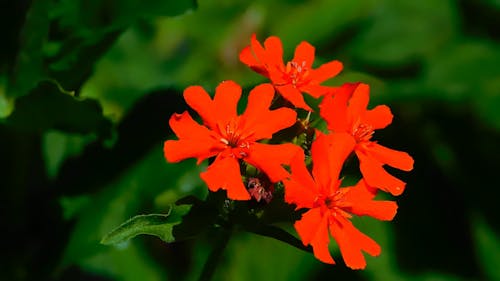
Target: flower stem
(214,257)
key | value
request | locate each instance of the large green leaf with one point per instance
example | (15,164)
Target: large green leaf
(77,39)
(260,258)
(160,225)
(47,107)
(89,35)
(120,200)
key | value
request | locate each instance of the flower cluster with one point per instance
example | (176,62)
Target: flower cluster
(244,148)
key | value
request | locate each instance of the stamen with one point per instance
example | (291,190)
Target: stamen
(296,72)
(363,132)
(229,134)
(236,146)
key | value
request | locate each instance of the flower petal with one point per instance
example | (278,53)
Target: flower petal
(293,95)
(333,108)
(270,158)
(379,117)
(258,50)
(394,158)
(301,188)
(321,163)
(184,126)
(351,242)
(326,71)
(179,150)
(308,225)
(304,53)
(296,193)
(320,242)
(313,229)
(377,177)
(300,173)
(199,100)
(227,95)
(248,58)
(328,154)
(359,101)
(258,122)
(194,140)
(361,200)
(274,50)
(225,173)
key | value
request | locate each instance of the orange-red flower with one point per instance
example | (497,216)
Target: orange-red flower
(345,113)
(331,206)
(231,138)
(296,76)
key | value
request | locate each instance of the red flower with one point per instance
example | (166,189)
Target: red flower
(345,113)
(296,76)
(230,137)
(330,206)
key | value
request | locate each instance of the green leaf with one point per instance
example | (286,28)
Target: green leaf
(160,225)
(487,246)
(326,19)
(47,107)
(29,68)
(252,257)
(129,263)
(252,224)
(468,72)
(117,201)
(76,59)
(400,32)
(106,16)
(58,146)
(6,103)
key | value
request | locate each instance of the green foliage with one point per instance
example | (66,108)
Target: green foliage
(30,62)
(487,247)
(48,107)
(250,262)
(398,35)
(160,225)
(87,88)
(121,200)
(127,263)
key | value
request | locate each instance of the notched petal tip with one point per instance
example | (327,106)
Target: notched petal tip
(224,173)
(304,52)
(379,117)
(228,85)
(194,92)
(247,57)
(266,88)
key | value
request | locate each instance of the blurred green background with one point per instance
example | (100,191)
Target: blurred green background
(87,88)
